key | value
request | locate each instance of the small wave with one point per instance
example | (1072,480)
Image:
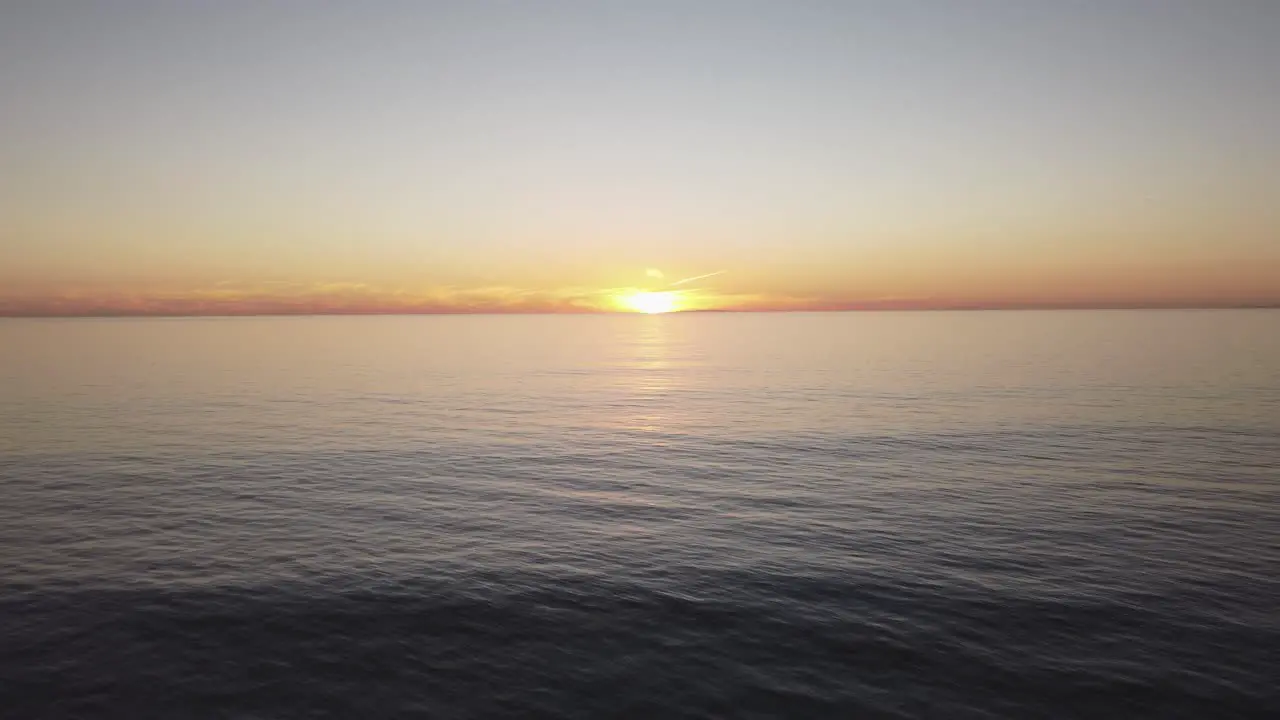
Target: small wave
(545,645)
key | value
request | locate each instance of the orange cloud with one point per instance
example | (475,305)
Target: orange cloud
(279,297)
(288,298)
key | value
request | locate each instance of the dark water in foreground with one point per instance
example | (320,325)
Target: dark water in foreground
(946,515)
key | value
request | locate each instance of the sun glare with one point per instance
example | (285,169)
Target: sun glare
(650,302)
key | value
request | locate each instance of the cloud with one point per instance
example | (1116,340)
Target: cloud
(346,297)
(284,297)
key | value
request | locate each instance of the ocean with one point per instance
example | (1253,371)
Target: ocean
(1068,514)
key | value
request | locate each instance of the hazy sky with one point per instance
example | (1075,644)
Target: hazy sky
(265,155)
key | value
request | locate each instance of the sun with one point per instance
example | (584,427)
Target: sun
(650,302)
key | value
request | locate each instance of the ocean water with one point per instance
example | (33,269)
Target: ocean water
(854,515)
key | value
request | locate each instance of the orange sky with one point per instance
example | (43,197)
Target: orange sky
(241,157)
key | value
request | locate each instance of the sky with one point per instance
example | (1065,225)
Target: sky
(264,156)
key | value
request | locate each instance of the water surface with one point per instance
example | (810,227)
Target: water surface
(960,515)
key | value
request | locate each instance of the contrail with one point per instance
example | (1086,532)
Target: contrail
(698,277)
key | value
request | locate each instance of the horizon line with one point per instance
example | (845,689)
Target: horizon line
(402,313)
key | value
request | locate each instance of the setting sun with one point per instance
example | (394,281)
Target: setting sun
(650,302)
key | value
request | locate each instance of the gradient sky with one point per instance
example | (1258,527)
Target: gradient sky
(262,156)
